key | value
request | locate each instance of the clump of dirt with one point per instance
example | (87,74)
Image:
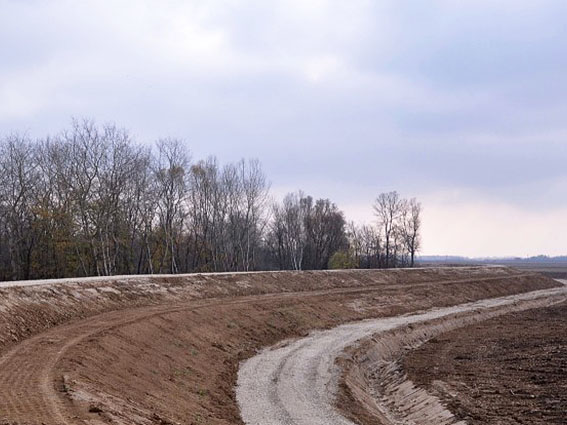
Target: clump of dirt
(508,370)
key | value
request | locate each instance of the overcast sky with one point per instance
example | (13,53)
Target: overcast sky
(462,104)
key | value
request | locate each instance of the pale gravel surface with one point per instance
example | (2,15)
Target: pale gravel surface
(116,278)
(295,383)
(142,277)
(79,280)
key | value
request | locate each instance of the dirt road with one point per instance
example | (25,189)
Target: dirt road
(177,361)
(30,387)
(296,382)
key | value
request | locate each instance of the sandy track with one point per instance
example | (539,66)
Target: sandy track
(33,386)
(132,277)
(296,383)
(150,277)
(29,389)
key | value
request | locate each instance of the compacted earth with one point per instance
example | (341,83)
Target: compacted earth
(166,350)
(508,370)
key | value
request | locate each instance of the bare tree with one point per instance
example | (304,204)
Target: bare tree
(170,168)
(248,215)
(388,208)
(305,234)
(325,227)
(410,228)
(288,232)
(207,211)
(54,206)
(18,181)
(92,201)
(366,246)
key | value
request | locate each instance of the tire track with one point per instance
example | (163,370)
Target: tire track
(296,384)
(29,390)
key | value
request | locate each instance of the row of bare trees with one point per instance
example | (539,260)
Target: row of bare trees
(395,240)
(92,201)
(304,233)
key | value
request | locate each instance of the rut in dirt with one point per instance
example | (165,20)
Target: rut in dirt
(297,383)
(42,377)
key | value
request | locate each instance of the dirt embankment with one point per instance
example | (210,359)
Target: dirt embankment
(37,306)
(509,370)
(375,386)
(166,350)
(297,382)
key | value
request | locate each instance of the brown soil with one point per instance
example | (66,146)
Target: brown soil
(167,350)
(508,370)
(31,309)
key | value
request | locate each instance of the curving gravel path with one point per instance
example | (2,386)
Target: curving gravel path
(295,382)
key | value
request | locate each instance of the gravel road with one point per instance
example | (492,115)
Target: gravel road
(149,277)
(295,382)
(90,279)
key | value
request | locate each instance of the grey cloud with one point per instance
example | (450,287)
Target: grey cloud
(370,97)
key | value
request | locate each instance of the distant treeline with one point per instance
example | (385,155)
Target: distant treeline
(91,201)
(538,259)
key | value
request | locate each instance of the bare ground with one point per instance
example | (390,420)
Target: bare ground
(296,383)
(509,370)
(166,350)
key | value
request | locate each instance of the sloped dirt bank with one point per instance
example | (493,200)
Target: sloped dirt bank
(375,386)
(28,308)
(166,350)
(509,370)
(296,383)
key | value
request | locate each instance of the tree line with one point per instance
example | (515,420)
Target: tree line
(93,202)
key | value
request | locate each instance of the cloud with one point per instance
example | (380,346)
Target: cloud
(343,99)
(479,229)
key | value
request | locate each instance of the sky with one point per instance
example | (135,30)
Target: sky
(460,103)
